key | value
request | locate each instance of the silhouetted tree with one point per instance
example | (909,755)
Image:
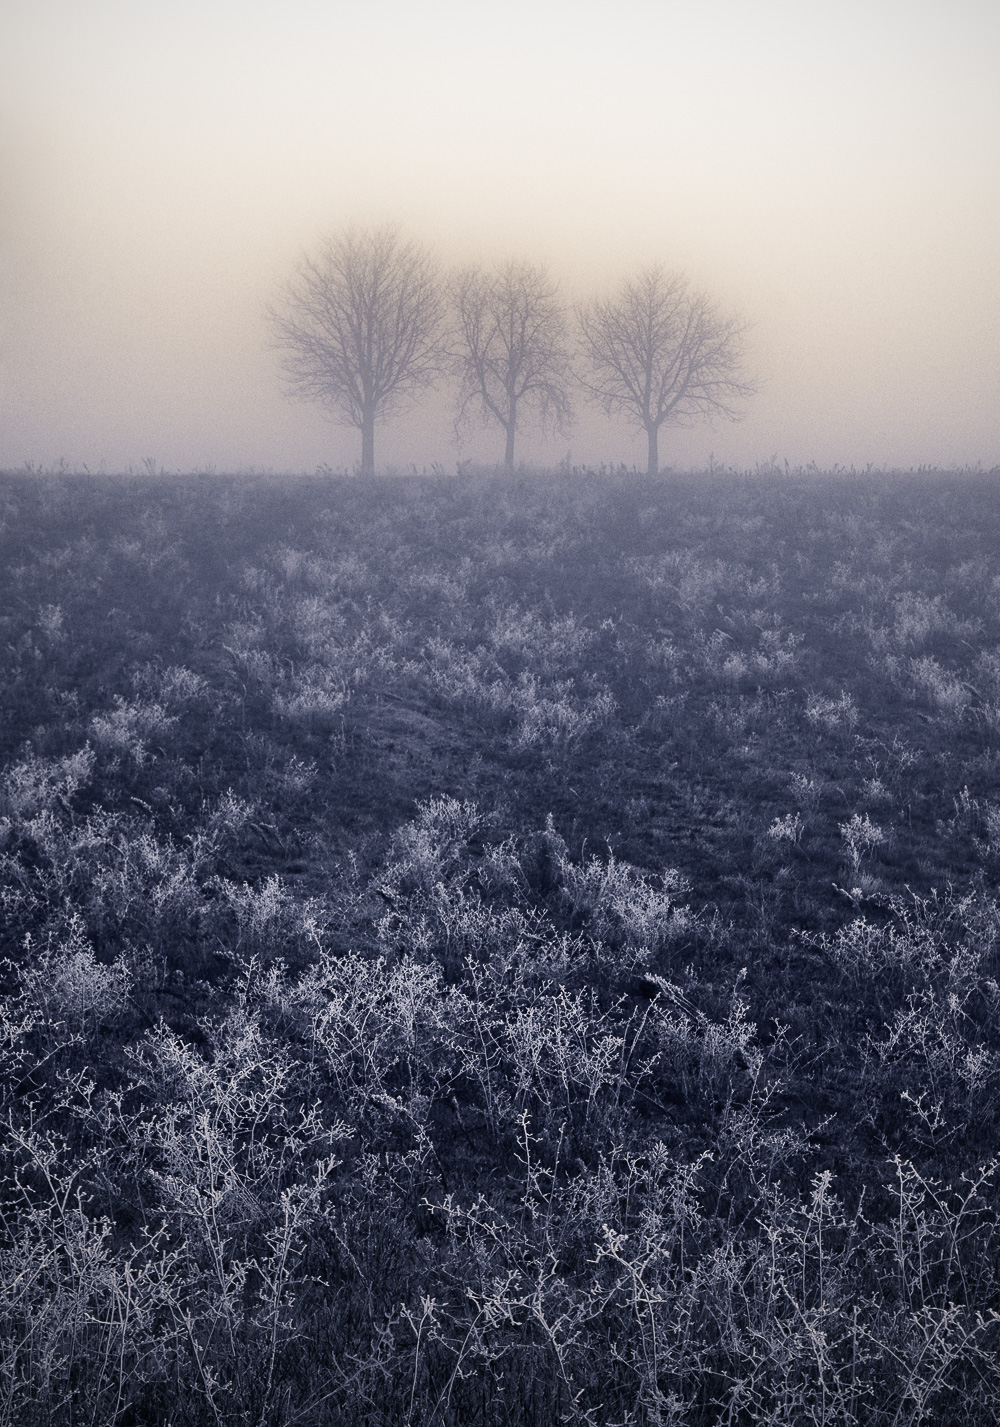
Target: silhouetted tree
(659,353)
(359,327)
(510,347)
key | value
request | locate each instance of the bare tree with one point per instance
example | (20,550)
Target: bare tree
(359,327)
(659,353)
(510,347)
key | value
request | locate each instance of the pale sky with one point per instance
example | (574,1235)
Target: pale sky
(829,168)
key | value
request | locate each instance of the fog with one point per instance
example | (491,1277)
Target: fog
(830,170)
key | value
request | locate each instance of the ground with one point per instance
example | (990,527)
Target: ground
(500,950)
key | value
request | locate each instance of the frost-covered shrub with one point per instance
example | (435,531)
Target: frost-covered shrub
(223,824)
(295,777)
(831,714)
(722,660)
(499,871)
(36,785)
(694,582)
(875,791)
(768,660)
(439,585)
(454,923)
(861,836)
(864,951)
(127,884)
(987,670)
(985,679)
(299,567)
(319,626)
(547,713)
(705,1055)
(555,718)
(946,692)
(236,1165)
(51,624)
(918,617)
(315,700)
(271,922)
(175,687)
(464,676)
(83,1314)
(132,878)
(937,1050)
(776,655)
(432,848)
(130,727)
(547,648)
(566,1060)
(70,988)
(925,984)
(664,654)
(619,905)
(386,1036)
(808,792)
(787,829)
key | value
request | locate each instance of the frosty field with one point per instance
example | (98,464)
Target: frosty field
(500,950)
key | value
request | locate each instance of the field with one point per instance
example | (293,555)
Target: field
(500,951)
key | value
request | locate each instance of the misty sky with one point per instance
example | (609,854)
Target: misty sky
(832,170)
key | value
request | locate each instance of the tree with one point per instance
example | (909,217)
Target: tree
(510,347)
(359,328)
(660,353)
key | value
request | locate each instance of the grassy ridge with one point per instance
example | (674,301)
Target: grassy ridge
(500,950)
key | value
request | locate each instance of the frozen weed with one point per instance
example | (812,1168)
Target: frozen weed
(787,829)
(68,985)
(808,792)
(936,1045)
(221,830)
(832,714)
(546,647)
(619,906)
(270,920)
(300,567)
(318,625)
(36,786)
(315,701)
(769,662)
(694,581)
(297,776)
(918,618)
(701,1054)
(554,718)
(868,953)
(664,654)
(438,585)
(175,687)
(947,693)
(861,836)
(51,623)
(991,823)
(387,1035)
(470,677)
(130,727)
(875,791)
(432,848)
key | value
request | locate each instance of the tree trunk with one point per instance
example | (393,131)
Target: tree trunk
(653,467)
(508,460)
(368,443)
